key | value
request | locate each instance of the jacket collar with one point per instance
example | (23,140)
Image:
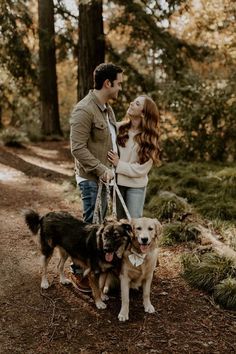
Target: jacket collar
(95,99)
(104,108)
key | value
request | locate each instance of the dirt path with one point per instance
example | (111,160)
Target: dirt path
(60,320)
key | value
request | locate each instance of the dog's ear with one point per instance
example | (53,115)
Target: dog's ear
(124,222)
(109,220)
(158,228)
(120,251)
(127,226)
(134,223)
(126,237)
(100,230)
(98,236)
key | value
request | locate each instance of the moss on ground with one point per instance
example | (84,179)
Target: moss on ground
(205,271)
(209,188)
(181,192)
(178,232)
(214,274)
(225,293)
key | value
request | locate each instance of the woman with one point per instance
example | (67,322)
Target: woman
(138,136)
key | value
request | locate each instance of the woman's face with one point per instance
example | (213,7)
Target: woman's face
(136,107)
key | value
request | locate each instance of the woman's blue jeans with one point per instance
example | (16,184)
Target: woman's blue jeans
(89,190)
(134,199)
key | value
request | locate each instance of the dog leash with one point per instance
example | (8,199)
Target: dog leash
(97,215)
(117,191)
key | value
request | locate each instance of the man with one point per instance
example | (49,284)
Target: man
(93,134)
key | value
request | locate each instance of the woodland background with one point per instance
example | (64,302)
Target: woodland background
(182,53)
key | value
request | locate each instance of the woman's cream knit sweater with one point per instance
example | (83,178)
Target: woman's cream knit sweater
(130,173)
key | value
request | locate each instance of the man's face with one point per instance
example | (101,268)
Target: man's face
(117,86)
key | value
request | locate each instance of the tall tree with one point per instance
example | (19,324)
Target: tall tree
(18,75)
(47,69)
(91,43)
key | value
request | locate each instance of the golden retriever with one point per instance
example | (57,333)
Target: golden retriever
(139,262)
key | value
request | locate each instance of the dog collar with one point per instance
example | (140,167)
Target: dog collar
(136,258)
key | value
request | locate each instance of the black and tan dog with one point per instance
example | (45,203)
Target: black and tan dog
(92,247)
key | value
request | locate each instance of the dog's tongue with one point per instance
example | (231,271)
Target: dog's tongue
(109,256)
(144,248)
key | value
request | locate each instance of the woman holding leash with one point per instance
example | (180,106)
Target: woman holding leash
(138,143)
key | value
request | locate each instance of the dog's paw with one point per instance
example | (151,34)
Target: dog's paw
(100,304)
(149,308)
(44,284)
(123,317)
(104,297)
(65,281)
(105,289)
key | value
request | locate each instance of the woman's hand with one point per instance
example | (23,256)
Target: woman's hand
(113,157)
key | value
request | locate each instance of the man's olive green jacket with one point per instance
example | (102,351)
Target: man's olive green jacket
(90,137)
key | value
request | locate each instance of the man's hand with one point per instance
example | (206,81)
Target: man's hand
(107,176)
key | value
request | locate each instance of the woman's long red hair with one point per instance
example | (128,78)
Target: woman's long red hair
(148,137)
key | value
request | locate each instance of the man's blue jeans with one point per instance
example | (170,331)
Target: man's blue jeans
(89,190)
(134,199)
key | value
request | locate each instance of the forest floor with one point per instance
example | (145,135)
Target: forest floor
(61,320)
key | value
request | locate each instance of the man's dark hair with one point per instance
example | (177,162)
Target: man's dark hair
(103,72)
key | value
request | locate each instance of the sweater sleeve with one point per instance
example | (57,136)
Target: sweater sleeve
(133,169)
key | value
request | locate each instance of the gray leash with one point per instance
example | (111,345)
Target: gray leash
(117,191)
(97,215)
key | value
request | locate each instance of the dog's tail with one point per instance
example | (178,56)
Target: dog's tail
(32,219)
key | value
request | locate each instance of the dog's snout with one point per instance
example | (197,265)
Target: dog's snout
(110,246)
(144,240)
(106,249)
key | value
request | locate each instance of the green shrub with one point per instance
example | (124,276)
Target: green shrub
(227,177)
(157,184)
(209,187)
(166,206)
(207,270)
(13,137)
(190,194)
(216,208)
(179,232)
(190,182)
(225,293)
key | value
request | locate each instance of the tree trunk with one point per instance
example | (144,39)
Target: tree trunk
(49,112)
(1,117)
(207,236)
(91,43)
